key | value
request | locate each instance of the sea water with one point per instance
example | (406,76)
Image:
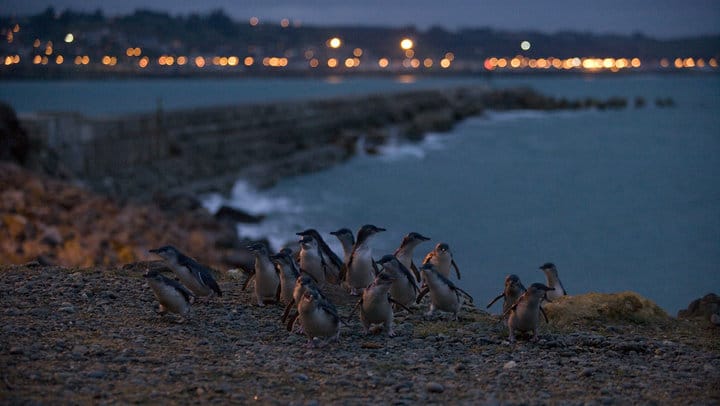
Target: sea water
(618,200)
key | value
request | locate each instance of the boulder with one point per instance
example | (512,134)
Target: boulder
(14,141)
(603,307)
(234,215)
(704,307)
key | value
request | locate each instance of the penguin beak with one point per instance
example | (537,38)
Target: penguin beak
(423,238)
(378,229)
(154,251)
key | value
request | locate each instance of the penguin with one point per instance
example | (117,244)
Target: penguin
(404,253)
(442,258)
(267,281)
(318,317)
(524,314)
(302,283)
(310,258)
(172,296)
(347,240)
(288,271)
(376,304)
(444,295)
(193,275)
(361,268)
(553,281)
(513,289)
(330,262)
(405,288)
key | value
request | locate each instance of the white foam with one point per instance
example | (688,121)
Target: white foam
(394,151)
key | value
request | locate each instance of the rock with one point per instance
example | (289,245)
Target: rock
(301,377)
(510,365)
(704,307)
(235,215)
(14,141)
(15,224)
(604,307)
(67,309)
(17,351)
(715,319)
(587,372)
(434,387)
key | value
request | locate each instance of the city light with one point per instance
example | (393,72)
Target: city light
(383,63)
(69,37)
(406,43)
(525,45)
(199,61)
(334,42)
(248,61)
(357,52)
(284,23)
(254,21)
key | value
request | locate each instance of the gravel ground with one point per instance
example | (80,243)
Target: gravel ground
(93,336)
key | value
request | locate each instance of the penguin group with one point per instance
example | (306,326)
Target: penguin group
(393,283)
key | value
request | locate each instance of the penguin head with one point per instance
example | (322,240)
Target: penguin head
(512,280)
(153,274)
(258,248)
(310,231)
(308,242)
(413,236)
(413,239)
(384,278)
(549,269)
(390,263)
(305,279)
(344,234)
(367,231)
(282,257)
(442,247)
(539,291)
(166,252)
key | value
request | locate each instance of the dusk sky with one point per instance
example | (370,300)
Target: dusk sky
(658,18)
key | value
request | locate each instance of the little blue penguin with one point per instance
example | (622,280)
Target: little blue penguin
(404,253)
(310,258)
(442,258)
(267,281)
(288,271)
(193,275)
(361,268)
(319,317)
(553,281)
(444,295)
(376,305)
(524,315)
(405,288)
(171,294)
(330,263)
(303,282)
(347,240)
(513,289)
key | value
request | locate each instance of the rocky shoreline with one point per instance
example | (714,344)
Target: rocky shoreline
(92,335)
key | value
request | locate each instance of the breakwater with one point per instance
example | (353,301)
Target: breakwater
(166,153)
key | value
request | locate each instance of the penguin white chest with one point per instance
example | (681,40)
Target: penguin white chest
(311,263)
(360,275)
(443,297)
(170,298)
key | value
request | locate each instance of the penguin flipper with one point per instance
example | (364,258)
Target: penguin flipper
(545,315)
(277,293)
(391,300)
(422,293)
(457,270)
(415,271)
(467,295)
(343,272)
(180,288)
(502,295)
(247,281)
(287,310)
(375,267)
(354,308)
(291,322)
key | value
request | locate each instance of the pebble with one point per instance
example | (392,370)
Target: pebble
(302,377)
(510,365)
(434,387)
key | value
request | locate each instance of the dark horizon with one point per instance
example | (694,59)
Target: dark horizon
(663,19)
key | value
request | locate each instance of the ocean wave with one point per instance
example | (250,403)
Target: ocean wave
(247,198)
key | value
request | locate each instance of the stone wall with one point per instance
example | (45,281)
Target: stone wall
(167,152)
